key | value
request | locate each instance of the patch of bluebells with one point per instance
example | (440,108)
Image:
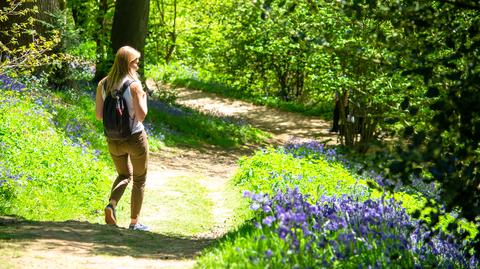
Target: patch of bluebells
(8,83)
(40,100)
(426,188)
(237,121)
(168,109)
(43,103)
(336,229)
(6,175)
(152,132)
(316,150)
(74,130)
(311,149)
(178,111)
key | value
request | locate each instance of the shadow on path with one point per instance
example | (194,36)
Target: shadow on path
(96,239)
(283,125)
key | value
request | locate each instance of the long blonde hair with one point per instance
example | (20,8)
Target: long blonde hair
(121,67)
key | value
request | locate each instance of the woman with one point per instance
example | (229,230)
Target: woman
(135,147)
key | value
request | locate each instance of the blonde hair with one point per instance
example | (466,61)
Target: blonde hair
(121,67)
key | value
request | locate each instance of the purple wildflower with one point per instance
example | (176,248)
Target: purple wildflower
(268,220)
(345,226)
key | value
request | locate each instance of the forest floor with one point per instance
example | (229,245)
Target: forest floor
(172,243)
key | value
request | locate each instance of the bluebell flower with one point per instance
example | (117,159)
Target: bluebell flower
(268,220)
(345,225)
(255,206)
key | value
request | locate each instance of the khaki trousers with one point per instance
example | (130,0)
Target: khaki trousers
(134,148)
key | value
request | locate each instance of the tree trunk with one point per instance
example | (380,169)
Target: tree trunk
(45,9)
(102,60)
(172,35)
(78,13)
(130,24)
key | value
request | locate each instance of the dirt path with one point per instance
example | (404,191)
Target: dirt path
(74,244)
(283,125)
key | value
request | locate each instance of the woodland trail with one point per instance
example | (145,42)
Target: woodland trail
(79,244)
(283,125)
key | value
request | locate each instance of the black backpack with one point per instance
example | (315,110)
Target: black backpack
(116,119)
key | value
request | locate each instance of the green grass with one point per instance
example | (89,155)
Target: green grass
(47,171)
(179,75)
(238,249)
(186,127)
(323,109)
(189,207)
(238,204)
(269,170)
(180,207)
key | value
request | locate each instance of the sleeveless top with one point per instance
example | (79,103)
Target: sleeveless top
(135,125)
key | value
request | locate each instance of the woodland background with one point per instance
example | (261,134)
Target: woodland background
(410,69)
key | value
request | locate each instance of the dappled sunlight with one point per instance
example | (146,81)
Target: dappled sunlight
(75,240)
(284,125)
(280,134)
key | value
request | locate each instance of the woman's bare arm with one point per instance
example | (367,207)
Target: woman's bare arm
(99,101)
(139,101)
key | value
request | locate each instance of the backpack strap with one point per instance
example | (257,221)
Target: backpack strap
(122,90)
(125,85)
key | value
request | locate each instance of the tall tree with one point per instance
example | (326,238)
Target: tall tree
(130,24)
(166,27)
(100,35)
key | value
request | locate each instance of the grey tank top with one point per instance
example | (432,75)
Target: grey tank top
(135,125)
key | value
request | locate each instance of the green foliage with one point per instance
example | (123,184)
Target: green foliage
(93,21)
(50,170)
(297,51)
(439,47)
(84,15)
(85,50)
(167,21)
(22,47)
(73,63)
(185,126)
(270,170)
(179,75)
(243,248)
